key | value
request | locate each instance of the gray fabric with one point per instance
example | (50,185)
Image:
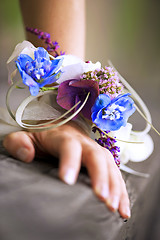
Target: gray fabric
(35,204)
(145,222)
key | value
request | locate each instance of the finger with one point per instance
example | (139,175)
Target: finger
(124,205)
(114,186)
(68,150)
(118,199)
(20,146)
(95,161)
(70,153)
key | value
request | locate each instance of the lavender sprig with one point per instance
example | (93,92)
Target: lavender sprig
(52,46)
(108,143)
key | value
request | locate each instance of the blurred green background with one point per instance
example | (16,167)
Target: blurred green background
(128,33)
(125,31)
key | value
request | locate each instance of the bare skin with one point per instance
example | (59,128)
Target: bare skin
(63,19)
(69,142)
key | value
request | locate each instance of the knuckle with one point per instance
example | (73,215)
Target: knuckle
(115,173)
(66,137)
(94,152)
(93,157)
(69,140)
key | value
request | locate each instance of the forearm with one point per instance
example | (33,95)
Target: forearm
(63,19)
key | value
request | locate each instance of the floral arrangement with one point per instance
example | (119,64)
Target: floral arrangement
(98,95)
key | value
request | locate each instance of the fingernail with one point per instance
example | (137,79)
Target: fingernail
(113,204)
(70,177)
(22,154)
(128,212)
(102,191)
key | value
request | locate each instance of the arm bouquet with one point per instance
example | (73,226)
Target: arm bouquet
(97,97)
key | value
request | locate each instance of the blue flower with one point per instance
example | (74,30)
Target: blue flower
(40,71)
(110,115)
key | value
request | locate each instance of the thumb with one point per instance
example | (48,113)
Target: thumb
(20,145)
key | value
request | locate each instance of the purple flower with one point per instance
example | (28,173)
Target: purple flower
(38,72)
(51,46)
(72,91)
(110,115)
(108,143)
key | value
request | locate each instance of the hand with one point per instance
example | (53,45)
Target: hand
(73,147)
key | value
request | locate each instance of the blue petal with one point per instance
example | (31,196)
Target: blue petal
(41,53)
(120,96)
(102,101)
(27,80)
(46,65)
(128,113)
(23,59)
(112,125)
(128,104)
(53,78)
(94,116)
(109,125)
(19,67)
(34,90)
(56,64)
(33,86)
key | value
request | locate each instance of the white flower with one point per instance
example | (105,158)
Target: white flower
(138,152)
(91,66)
(73,67)
(22,48)
(135,152)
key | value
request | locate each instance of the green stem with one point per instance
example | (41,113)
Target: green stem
(43,89)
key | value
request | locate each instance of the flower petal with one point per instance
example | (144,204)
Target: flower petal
(71,90)
(91,66)
(49,80)
(112,114)
(66,95)
(27,80)
(85,86)
(23,59)
(19,48)
(140,152)
(102,101)
(123,134)
(41,53)
(56,64)
(107,124)
(74,67)
(24,47)
(33,86)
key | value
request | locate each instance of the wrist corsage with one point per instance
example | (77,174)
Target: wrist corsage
(100,96)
